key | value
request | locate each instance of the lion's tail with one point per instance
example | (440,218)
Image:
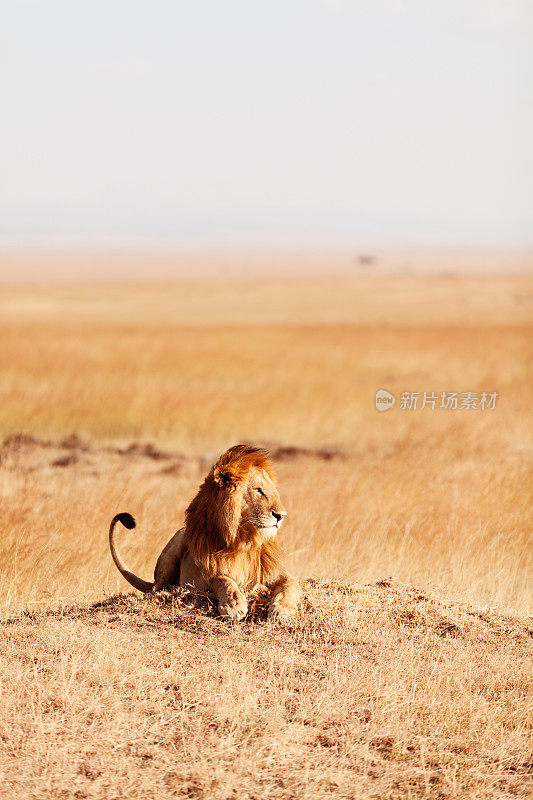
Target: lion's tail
(128,522)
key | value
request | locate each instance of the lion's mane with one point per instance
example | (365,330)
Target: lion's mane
(213,533)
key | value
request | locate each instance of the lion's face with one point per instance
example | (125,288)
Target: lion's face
(261,503)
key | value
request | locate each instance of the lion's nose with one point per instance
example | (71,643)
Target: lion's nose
(278,516)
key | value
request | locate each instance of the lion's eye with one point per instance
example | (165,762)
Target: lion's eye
(261,492)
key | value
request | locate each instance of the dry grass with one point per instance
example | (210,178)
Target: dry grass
(348,299)
(436,497)
(377,691)
(463,524)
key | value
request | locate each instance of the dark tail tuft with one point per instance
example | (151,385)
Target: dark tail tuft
(126,519)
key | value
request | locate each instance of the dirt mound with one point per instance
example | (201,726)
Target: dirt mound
(19,441)
(148,450)
(330,610)
(283,452)
(374,691)
(28,453)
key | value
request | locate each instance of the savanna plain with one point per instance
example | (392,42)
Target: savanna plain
(407,670)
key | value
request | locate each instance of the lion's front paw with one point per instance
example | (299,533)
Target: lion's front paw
(234,607)
(281,612)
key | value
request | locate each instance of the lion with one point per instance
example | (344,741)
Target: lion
(229,544)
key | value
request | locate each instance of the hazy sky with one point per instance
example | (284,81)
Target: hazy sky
(275,122)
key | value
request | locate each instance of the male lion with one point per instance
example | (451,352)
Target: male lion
(229,543)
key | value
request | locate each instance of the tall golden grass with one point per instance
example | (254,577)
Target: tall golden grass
(437,497)
(396,690)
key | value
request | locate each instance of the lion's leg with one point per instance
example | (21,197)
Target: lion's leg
(231,601)
(285,597)
(167,568)
(191,575)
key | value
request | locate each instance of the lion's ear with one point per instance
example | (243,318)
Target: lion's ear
(225,476)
